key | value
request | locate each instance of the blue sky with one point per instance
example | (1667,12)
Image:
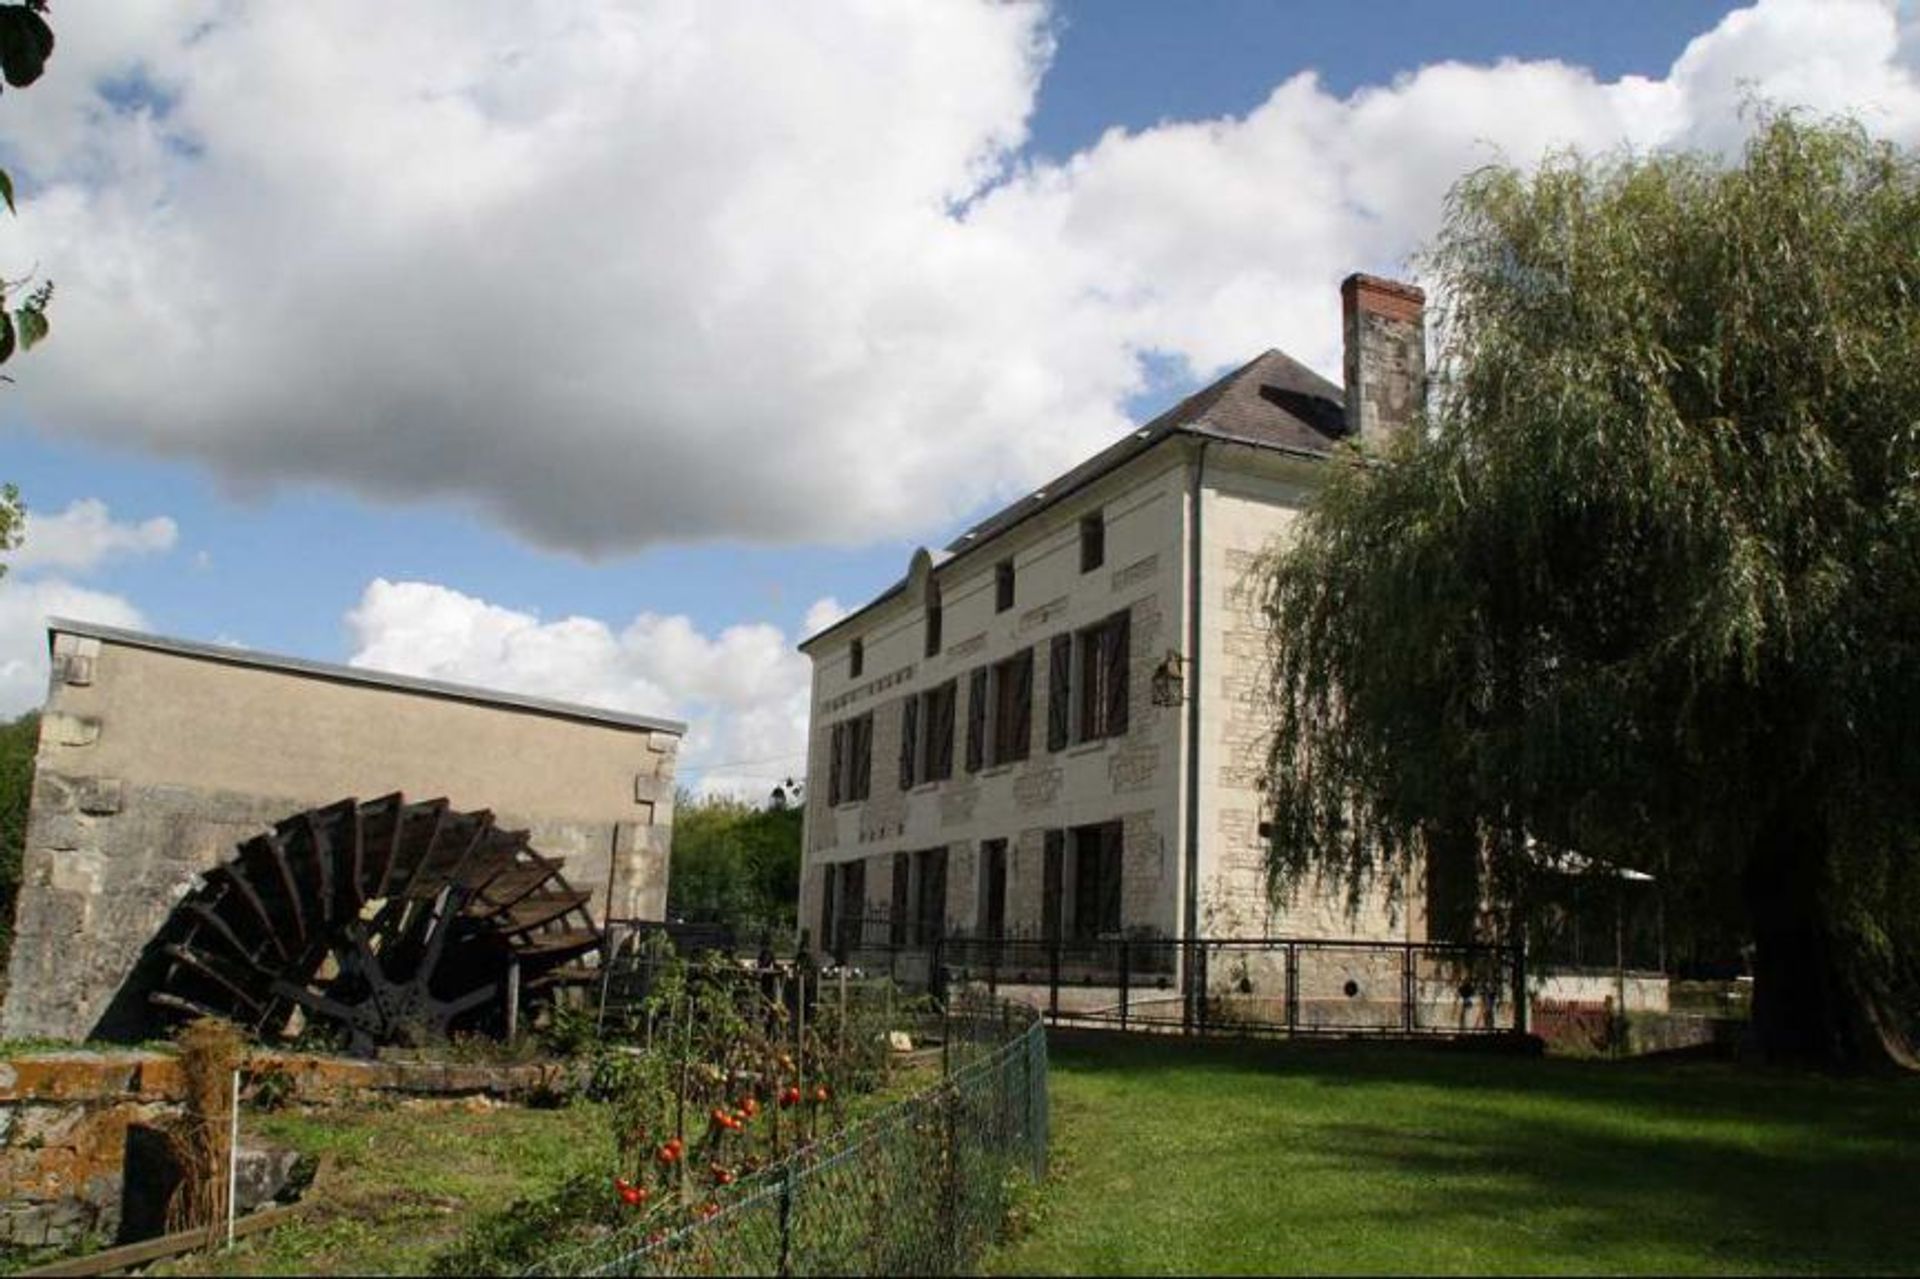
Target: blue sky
(303,381)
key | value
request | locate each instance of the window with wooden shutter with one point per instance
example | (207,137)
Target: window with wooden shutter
(976,719)
(1101,668)
(993,890)
(909,738)
(930,894)
(1059,690)
(853,907)
(1053,873)
(859,753)
(937,723)
(1013,708)
(1096,881)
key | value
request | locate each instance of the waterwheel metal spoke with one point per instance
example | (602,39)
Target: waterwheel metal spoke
(395,922)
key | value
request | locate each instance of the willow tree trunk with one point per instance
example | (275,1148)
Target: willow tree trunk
(1815,1002)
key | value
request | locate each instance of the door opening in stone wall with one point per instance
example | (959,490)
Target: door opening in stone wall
(1096,881)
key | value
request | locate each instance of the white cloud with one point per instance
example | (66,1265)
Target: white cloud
(743,691)
(25,607)
(86,534)
(619,275)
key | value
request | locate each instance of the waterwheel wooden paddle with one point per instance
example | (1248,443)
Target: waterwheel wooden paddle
(397,922)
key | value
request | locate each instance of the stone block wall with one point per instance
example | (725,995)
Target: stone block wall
(156,761)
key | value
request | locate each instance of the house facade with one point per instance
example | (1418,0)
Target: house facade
(1055,727)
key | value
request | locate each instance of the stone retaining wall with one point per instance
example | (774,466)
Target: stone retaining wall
(64,1118)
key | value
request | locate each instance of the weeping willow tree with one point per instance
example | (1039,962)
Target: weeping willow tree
(1647,585)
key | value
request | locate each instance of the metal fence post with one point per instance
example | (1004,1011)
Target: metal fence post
(1053,978)
(1520,1010)
(1125,957)
(1406,989)
(1293,989)
(786,1222)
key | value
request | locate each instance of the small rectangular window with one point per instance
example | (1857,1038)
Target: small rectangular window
(933,630)
(1003,586)
(856,659)
(1093,541)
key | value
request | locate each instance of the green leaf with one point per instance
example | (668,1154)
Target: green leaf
(33,326)
(6,190)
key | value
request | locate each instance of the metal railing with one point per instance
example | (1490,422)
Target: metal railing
(920,1188)
(1255,986)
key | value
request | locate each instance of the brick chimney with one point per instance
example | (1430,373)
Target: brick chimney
(1384,323)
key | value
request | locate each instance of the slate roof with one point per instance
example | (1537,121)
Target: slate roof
(1273,402)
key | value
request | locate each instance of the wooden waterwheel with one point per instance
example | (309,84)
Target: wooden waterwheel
(397,922)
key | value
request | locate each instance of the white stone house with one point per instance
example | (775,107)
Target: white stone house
(1054,727)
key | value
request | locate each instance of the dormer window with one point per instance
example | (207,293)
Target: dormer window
(856,658)
(1003,586)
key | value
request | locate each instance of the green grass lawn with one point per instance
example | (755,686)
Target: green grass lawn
(403,1183)
(1176,1157)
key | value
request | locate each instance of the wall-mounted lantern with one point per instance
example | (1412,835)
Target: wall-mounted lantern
(1170,680)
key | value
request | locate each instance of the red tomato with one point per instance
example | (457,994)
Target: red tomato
(820,1093)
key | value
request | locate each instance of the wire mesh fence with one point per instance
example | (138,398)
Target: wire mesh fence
(921,1187)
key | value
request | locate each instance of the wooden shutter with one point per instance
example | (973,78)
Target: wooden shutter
(1116,658)
(860,743)
(940,727)
(976,719)
(900,903)
(1059,681)
(829,904)
(1022,735)
(836,773)
(909,737)
(1112,848)
(1052,874)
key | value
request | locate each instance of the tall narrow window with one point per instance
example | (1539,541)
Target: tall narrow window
(1096,881)
(856,658)
(993,889)
(1093,541)
(852,909)
(850,772)
(937,724)
(1102,678)
(1013,707)
(930,894)
(1003,586)
(933,630)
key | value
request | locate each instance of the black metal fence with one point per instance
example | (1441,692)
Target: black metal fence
(920,1188)
(1258,986)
